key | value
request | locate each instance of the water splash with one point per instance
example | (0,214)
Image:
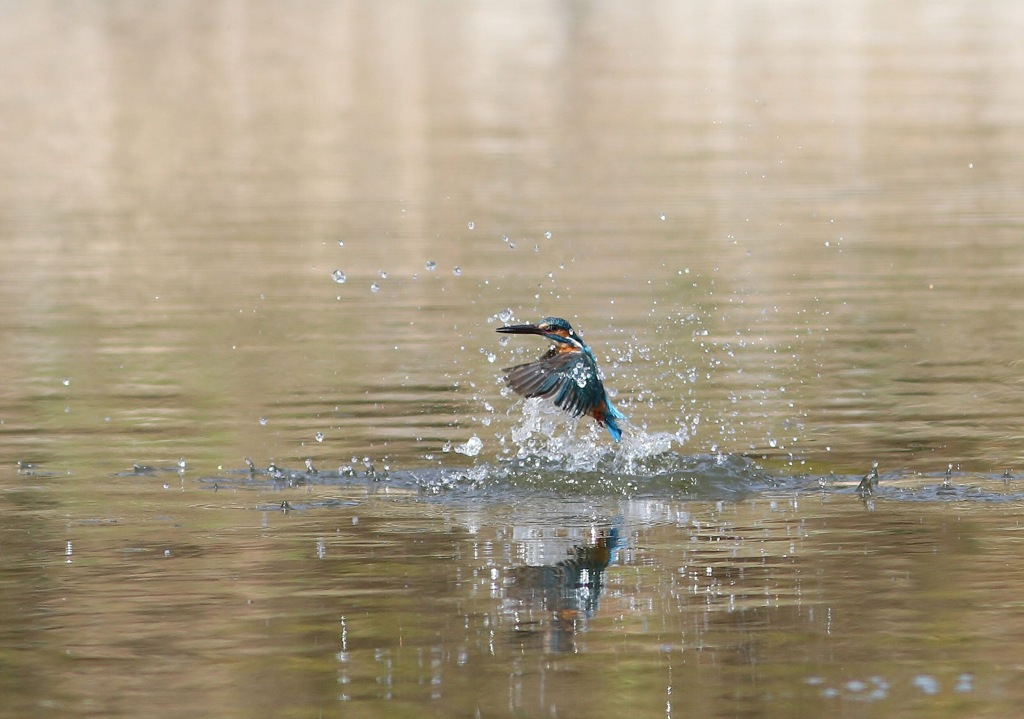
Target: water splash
(545,436)
(659,475)
(666,476)
(505,315)
(472,447)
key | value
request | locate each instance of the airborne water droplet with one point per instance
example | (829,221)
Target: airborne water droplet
(319,436)
(338,276)
(472,447)
(431,265)
(374,287)
(457,271)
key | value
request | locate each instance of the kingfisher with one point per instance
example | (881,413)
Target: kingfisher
(567,372)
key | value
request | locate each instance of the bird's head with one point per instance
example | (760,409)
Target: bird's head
(554,328)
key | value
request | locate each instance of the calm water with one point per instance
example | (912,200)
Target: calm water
(236,232)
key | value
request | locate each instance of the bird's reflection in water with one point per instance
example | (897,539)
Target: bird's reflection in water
(552,602)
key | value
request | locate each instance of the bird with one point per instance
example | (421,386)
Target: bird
(567,372)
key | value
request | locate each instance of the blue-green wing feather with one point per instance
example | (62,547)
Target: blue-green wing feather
(569,378)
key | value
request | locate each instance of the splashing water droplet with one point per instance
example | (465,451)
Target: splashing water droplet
(341,243)
(547,235)
(66,382)
(431,265)
(926,683)
(472,446)
(374,287)
(339,277)
(662,217)
(383,274)
(506,314)
(263,421)
(457,271)
(471,225)
(319,436)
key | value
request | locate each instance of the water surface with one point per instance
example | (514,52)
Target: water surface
(237,232)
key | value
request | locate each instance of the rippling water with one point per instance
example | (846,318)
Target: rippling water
(256,454)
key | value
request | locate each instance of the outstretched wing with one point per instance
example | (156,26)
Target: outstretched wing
(570,378)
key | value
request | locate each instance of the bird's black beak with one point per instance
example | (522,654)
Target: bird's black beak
(521,330)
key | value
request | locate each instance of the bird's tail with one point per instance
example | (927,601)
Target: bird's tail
(611,417)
